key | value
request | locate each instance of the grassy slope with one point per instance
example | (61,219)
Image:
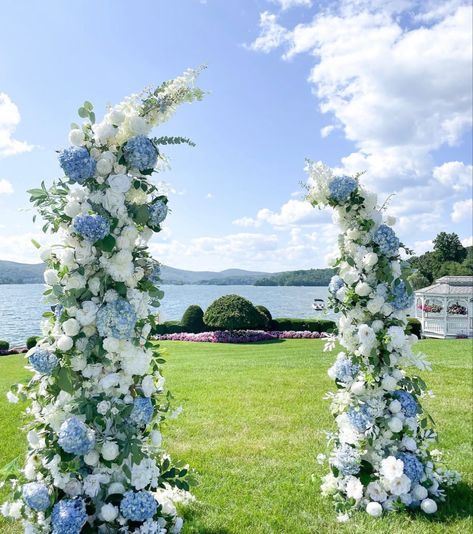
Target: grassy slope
(253,422)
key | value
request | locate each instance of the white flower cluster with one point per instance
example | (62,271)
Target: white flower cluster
(97,392)
(381,458)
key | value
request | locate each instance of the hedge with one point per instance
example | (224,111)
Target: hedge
(193,319)
(312,325)
(233,312)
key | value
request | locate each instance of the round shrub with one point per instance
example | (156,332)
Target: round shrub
(31,342)
(193,319)
(266,314)
(414,327)
(232,312)
(4,345)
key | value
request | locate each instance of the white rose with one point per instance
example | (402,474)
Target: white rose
(377,325)
(110,344)
(409,443)
(86,315)
(76,281)
(116,116)
(94,285)
(76,137)
(147,385)
(45,253)
(358,388)
(72,208)
(104,166)
(400,485)
(64,343)
(419,493)
(389,383)
(350,276)
(92,458)
(387,309)
(111,380)
(109,512)
(137,125)
(354,488)
(110,450)
(370,259)
(119,183)
(375,304)
(395,406)
(71,327)
(103,131)
(374,509)
(103,407)
(395,424)
(51,277)
(362,289)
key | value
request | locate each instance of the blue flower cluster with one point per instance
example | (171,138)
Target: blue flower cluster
(77,164)
(116,319)
(140,153)
(157,212)
(387,240)
(142,412)
(346,459)
(401,298)
(360,418)
(36,496)
(75,437)
(335,284)
(345,370)
(69,516)
(138,506)
(408,403)
(341,187)
(43,361)
(413,467)
(91,227)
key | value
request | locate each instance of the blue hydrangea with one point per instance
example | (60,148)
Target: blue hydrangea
(69,516)
(140,153)
(36,496)
(157,212)
(116,319)
(142,412)
(91,227)
(408,403)
(77,164)
(360,418)
(344,369)
(413,467)
(75,437)
(335,284)
(346,459)
(138,506)
(43,361)
(387,240)
(401,298)
(341,187)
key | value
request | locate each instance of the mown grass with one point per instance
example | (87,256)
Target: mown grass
(254,421)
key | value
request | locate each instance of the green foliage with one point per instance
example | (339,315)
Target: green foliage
(418,280)
(309,277)
(31,342)
(232,312)
(448,247)
(4,345)
(414,327)
(193,319)
(168,327)
(266,314)
(167,140)
(86,112)
(312,325)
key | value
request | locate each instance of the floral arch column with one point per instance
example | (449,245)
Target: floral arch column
(95,462)
(381,456)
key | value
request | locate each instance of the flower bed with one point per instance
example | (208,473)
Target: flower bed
(240,336)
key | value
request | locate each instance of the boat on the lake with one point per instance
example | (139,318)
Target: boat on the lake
(318,305)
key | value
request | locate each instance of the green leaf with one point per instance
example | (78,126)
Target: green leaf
(83,113)
(141,215)
(92,117)
(64,380)
(35,243)
(88,105)
(106,244)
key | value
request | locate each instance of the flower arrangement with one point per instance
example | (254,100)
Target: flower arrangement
(381,457)
(97,398)
(430,308)
(457,309)
(240,336)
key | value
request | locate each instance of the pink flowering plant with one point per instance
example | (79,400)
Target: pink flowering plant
(95,462)
(381,456)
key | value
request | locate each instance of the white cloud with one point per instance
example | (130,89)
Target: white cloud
(468,242)
(454,174)
(272,34)
(6,187)
(327,130)
(462,210)
(288,4)
(9,120)
(210,196)
(19,248)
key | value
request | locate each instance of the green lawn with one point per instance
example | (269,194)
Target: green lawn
(253,422)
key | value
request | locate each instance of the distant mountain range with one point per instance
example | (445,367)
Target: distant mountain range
(22,273)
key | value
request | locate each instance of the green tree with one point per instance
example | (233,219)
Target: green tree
(232,312)
(448,247)
(418,280)
(193,319)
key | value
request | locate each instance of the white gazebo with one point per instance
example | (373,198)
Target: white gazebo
(445,308)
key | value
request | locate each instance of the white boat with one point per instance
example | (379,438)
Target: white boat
(318,305)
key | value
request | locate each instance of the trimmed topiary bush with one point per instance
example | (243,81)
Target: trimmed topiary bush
(4,345)
(193,319)
(31,342)
(232,312)
(312,325)
(266,314)
(414,327)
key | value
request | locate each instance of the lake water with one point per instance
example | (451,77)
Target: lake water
(21,305)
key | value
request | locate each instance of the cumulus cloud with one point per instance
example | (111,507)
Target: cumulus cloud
(9,120)
(272,34)
(6,187)
(462,210)
(454,174)
(288,4)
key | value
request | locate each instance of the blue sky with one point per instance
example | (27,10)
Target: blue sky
(378,86)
